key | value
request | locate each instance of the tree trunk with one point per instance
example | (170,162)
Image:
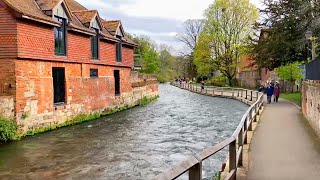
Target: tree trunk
(230,81)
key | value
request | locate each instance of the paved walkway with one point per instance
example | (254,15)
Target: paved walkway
(284,147)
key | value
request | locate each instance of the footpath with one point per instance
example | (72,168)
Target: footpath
(284,147)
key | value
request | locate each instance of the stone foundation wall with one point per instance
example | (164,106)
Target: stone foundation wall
(7,106)
(311,103)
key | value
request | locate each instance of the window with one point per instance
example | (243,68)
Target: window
(119,50)
(95,45)
(60,37)
(59,90)
(117,82)
(94,73)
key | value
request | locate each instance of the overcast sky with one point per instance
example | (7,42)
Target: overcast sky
(158,19)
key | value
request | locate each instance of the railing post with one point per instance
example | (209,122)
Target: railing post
(233,157)
(246,94)
(240,144)
(238,93)
(241,92)
(195,172)
(257,96)
(206,90)
(251,96)
(245,127)
(232,92)
(250,123)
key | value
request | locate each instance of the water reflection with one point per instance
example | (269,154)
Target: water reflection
(135,144)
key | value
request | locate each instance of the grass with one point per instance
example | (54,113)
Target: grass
(293,97)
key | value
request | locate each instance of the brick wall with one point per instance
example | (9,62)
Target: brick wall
(37,41)
(311,103)
(34,95)
(248,79)
(8,34)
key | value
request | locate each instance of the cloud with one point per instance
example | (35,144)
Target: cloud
(158,19)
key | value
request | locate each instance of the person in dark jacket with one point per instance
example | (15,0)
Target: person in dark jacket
(269,91)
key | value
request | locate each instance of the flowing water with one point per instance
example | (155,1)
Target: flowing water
(134,144)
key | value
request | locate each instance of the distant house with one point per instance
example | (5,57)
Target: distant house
(250,75)
(59,59)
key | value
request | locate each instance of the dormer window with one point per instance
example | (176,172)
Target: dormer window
(95,45)
(119,49)
(60,37)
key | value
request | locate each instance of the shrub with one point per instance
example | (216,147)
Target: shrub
(218,81)
(8,130)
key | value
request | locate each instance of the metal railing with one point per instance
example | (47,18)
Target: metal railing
(236,142)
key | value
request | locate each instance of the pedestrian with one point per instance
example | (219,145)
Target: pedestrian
(202,84)
(276,92)
(269,91)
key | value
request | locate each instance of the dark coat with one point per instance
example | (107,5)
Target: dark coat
(269,91)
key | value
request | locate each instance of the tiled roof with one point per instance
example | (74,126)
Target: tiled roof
(80,16)
(85,16)
(29,8)
(74,5)
(111,26)
(47,4)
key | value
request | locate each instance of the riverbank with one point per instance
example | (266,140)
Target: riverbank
(9,131)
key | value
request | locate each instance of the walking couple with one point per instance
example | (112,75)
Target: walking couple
(272,90)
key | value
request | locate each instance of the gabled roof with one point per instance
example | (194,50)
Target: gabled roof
(85,16)
(30,10)
(80,17)
(47,4)
(111,26)
(74,5)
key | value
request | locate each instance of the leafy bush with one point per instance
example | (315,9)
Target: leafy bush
(8,129)
(218,81)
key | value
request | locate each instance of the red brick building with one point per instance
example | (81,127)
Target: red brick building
(59,59)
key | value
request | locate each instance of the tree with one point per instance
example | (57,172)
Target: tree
(149,57)
(227,26)
(190,37)
(290,73)
(167,65)
(286,22)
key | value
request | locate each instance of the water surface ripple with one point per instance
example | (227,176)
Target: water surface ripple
(134,144)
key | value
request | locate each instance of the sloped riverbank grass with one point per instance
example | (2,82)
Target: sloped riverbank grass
(145,101)
(8,129)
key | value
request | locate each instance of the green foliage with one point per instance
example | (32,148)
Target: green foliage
(25,115)
(228,24)
(8,130)
(290,72)
(167,63)
(149,56)
(284,28)
(145,101)
(153,62)
(217,176)
(218,81)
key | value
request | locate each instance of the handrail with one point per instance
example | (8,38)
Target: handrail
(235,142)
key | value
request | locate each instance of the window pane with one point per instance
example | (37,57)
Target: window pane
(93,73)
(59,35)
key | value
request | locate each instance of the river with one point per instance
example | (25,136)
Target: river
(135,144)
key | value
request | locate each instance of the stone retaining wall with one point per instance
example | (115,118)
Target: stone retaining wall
(7,106)
(311,103)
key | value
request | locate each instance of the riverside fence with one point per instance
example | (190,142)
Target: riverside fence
(236,142)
